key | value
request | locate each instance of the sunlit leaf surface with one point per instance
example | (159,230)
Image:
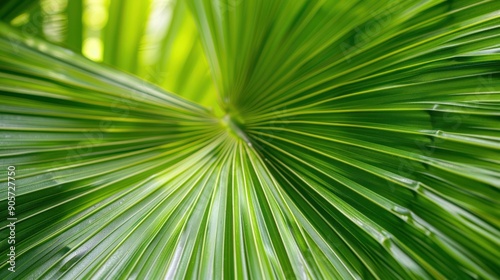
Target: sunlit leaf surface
(321,140)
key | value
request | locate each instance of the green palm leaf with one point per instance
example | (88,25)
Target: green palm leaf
(353,140)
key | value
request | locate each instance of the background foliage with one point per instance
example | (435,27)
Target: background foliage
(252,139)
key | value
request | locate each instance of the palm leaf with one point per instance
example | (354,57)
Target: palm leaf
(358,140)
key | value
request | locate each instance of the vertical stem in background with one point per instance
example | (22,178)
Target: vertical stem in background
(74,36)
(123,33)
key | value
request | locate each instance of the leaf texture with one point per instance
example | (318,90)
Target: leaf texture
(358,140)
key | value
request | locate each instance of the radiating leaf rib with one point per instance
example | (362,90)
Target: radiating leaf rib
(355,140)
